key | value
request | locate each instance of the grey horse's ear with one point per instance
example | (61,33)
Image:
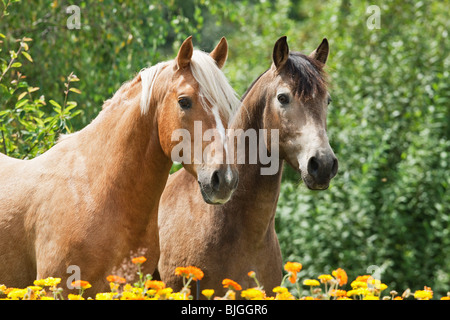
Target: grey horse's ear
(321,52)
(185,53)
(220,52)
(280,52)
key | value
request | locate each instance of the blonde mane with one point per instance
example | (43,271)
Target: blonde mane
(213,85)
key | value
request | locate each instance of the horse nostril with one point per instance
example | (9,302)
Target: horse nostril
(215,180)
(334,168)
(313,166)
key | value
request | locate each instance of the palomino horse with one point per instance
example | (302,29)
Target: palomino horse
(90,200)
(230,240)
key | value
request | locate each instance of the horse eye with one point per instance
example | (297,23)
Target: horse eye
(185,103)
(283,98)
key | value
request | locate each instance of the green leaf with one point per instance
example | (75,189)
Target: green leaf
(33,89)
(56,104)
(21,103)
(23,94)
(16,65)
(75,90)
(27,55)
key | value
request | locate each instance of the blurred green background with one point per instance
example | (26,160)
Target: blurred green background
(388,123)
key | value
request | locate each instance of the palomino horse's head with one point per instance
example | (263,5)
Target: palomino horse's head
(195,103)
(296,105)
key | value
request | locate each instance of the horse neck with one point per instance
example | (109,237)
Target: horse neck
(122,151)
(256,195)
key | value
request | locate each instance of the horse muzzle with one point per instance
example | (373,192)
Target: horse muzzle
(217,186)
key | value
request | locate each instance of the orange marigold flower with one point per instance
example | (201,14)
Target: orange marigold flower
(292,277)
(338,293)
(139,260)
(116,279)
(188,272)
(363,278)
(340,276)
(230,284)
(155,284)
(251,274)
(293,267)
(81,284)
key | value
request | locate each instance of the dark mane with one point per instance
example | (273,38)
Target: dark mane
(307,74)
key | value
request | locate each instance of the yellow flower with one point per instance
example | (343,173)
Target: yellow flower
(282,293)
(16,294)
(105,296)
(253,294)
(280,289)
(358,284)
(35,288)
(311,282)
(370,297)
(179,296)
(132,294)
(376,284)
(324,278)
(358,292)
(75,297)
(425,294)
(47,282)
(308,298)
(445,298)
(284,296)
(208,293)
(165,293)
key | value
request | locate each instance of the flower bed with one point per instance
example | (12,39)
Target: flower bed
(325,287)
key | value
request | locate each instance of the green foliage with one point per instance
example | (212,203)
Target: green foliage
(389,126)
(389,121)
(26,129)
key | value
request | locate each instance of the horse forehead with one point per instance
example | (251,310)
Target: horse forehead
(184,77)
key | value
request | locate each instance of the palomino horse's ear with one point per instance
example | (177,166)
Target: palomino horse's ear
(185,53)
(220,52)
(280,52)
(321,53)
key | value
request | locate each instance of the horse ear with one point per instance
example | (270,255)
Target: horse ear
(185,53)
(321,53)
(280,52)
(220,52)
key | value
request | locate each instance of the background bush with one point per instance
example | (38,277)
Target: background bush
(388,124)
